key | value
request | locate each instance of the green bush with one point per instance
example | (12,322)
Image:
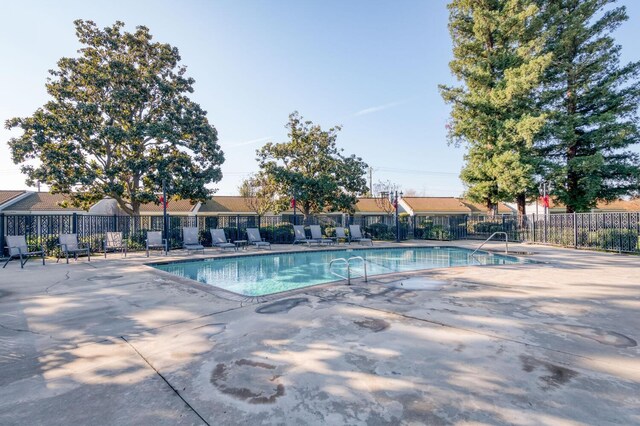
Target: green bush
(282,233)
(487,227)
(380,231)
(613,239)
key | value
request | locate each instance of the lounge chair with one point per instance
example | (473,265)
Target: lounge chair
(69,246)
(253,236)
(190,240)
(356,235)
(155,241)
(341,235)
(113,241)
(316,234)
(299,236)
(218,239)
(18,249)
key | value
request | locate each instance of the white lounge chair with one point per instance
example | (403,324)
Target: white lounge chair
(218,239)
(155,241)
(190,240)
(114,241)
(18,249)
(355,234)
(68,244)
(316,234)
(253,236)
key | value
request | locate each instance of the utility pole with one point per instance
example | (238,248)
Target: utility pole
(371,181)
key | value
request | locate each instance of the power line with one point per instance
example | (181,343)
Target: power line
(416,172)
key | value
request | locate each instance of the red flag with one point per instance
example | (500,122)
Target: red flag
(293,203)
(545,201)
(163,202)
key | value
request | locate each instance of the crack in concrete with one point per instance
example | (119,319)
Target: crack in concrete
(66,278)
(23,330)
(166,381)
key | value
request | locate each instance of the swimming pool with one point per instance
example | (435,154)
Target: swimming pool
(261,275)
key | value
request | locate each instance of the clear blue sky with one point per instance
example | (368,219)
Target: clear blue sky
(372,66)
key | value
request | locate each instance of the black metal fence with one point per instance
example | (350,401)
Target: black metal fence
(619,232)
(600,231)
(44,230)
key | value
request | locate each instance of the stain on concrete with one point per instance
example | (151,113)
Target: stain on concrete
(418,283)
(249,381)
(255,364)
(604,337)
(374,324)
(361,362)
(392,295)
(556,374)
(282,306)
(104,277)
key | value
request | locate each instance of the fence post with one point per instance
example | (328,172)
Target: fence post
(535,219)
(74,223)
(238,226)
(575,230)
(167,230)
(1,234)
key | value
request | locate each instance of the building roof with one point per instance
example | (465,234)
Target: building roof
(436,205)
(632,205)
(173,206)
(481,208)
(370,205)
(6,196)
(43,201)
(226,204)
(620,205)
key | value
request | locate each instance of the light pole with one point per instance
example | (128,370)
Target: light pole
(293,202)
(395,204)
(165,227)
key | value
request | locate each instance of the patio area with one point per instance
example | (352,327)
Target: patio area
(115,342)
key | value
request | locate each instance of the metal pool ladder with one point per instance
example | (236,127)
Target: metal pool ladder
(348,263)
(506,242)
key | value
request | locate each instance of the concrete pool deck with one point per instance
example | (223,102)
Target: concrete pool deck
(116,342)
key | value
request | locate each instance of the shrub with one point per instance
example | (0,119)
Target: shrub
(380,231)
(616,239)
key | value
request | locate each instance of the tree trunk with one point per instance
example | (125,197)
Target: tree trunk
(306,211)
(572,149)
(489,206)
(521,199)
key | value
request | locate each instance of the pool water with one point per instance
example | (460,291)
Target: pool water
(261,275)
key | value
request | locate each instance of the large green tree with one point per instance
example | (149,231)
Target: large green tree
(592,103)
(119,123)
(312,168)
(497,49)
(259,193)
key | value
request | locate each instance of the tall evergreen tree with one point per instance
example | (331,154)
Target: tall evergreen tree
(592,104)
(497,48)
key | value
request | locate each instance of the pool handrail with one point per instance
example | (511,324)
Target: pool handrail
(506,242)
(348,263)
